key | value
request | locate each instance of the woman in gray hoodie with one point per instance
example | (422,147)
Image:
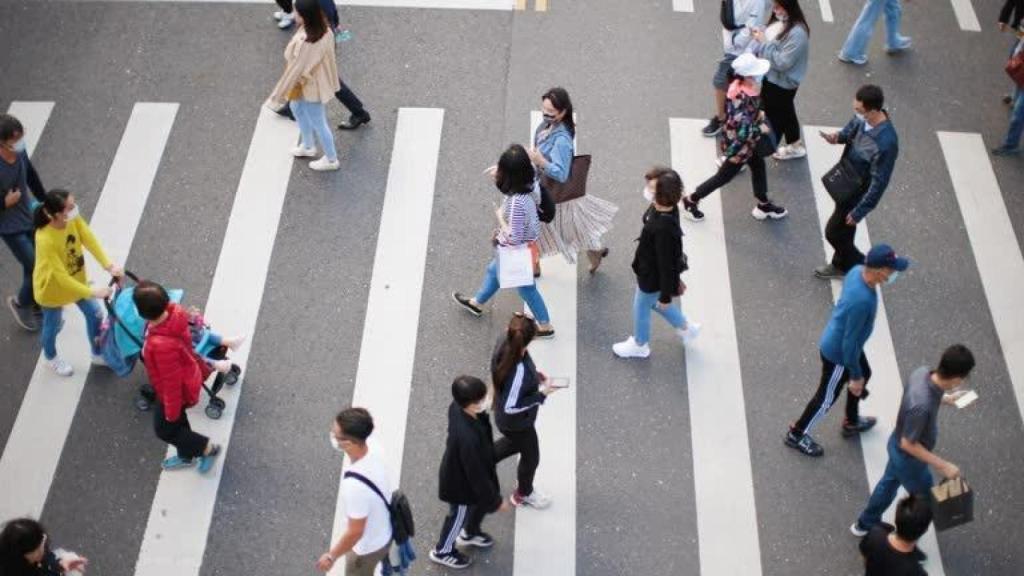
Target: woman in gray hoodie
(784,43)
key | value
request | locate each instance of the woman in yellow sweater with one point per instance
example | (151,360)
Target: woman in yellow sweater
(59,275)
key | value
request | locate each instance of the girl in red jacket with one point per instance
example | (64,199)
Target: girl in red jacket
(177,374)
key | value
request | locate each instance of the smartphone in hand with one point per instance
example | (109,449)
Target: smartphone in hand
(966,399)
(558,382)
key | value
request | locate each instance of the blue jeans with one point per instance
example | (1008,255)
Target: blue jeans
(856,46)
(529,294)
(312,119)
(52,324)
(643,303)
(902,470)
(1013,134)
(23,246)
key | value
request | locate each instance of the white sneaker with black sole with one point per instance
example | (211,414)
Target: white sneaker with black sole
(481,540)
(765,210)
(286,21)
(455,560)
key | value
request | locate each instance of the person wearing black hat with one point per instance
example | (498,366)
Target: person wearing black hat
(468,476)
(842,349)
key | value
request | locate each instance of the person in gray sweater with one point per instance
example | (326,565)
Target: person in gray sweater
(784,43)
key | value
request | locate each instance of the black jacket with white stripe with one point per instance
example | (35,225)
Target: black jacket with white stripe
(468,474)
(516,408)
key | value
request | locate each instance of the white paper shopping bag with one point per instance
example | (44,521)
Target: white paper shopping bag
(515,266)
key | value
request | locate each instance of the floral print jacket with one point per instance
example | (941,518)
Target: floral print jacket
(743,127)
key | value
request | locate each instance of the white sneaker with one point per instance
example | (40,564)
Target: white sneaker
(61,367)
(286,21)
(690,332)
(534,500)
(280,14)
(98,360)
(300,152)
(628,348)
(324,165)
(790,152)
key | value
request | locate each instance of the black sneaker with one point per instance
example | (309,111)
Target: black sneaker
(455,560)
(354,122)
(863,424)
(828,272)
(713,128)
(804,443)
(285,112)
(467,304)
(481,540)
(24,316)
(768,210)
(691,211)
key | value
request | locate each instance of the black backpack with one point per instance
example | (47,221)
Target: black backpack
(402,526)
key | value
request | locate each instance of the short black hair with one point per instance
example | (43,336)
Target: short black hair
(668,190)
(150,299)
(913,515)
(10,127)
(468,390)
(957,362)
(356,423)
(871,97)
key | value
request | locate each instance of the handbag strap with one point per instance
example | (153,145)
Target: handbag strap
(372,486)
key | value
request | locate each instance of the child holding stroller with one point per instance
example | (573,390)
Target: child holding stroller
(177,374)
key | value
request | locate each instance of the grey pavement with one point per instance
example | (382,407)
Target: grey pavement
(629,66)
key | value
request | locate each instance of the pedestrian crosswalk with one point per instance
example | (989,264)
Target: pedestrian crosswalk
(728,529)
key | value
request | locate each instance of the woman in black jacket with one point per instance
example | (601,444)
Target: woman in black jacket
(25,551)
(658,262)
(468,478)
(519,390)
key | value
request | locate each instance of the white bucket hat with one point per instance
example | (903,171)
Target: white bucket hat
(750,66)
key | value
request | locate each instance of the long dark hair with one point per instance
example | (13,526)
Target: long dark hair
(313,19)
(515,171)
(18,538)
(560,100)
(796,16)
(53,203)
(520,333)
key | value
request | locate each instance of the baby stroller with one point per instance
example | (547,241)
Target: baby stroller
(121,340)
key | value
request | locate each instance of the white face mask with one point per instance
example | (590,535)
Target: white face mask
(483,405)
(335,444)
(781,16)
(860,117)
(72,214)
(648,194)
(19,146)
(892,277)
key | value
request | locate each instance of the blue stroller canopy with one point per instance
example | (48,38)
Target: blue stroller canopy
(130,328)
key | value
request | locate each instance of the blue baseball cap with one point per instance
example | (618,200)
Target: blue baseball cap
(883,256)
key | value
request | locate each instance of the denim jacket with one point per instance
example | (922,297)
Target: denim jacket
(557,148)
(874,153)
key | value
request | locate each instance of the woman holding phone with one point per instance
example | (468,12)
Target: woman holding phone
(519,391)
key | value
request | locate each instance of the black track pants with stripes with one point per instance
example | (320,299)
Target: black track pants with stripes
(459,516)
(833,378)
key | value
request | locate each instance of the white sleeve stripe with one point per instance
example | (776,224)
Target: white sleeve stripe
(513,393)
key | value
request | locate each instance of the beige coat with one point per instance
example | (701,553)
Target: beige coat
(313,66)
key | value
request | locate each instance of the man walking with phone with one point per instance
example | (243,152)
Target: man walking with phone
(912,443)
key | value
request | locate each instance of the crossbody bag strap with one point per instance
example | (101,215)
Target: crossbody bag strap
(369,483)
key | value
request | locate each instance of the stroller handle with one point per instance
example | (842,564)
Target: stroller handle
(129,274)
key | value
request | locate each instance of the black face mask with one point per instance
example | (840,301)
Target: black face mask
(549,118)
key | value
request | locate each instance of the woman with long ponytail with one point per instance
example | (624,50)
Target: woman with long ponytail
(59,276)
(519,390)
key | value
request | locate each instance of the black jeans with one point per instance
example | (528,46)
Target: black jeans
(780,108)
(524,443)
(840,236)
(833,378)
(348,99)
(727,171)
(459,516)
(178,433)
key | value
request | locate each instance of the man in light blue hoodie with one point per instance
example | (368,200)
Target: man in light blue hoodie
(842,349)
(740,18)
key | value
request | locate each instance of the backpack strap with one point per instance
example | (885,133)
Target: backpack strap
(370,484)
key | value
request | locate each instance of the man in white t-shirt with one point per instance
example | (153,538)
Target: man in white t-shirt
(367,536)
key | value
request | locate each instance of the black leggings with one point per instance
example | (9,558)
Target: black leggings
(286,5)
(727,171)
(178,433)
(524,443)
(780,108)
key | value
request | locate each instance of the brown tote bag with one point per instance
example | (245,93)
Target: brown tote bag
(575,187)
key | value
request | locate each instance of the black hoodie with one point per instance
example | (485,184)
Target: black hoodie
(468,474)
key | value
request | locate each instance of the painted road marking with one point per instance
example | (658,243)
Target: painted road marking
(886,382)
(33,450)
(965,15)
(722,476)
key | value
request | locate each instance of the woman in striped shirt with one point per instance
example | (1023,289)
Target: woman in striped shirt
(518,225)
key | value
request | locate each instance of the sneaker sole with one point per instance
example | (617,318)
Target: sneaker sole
(442,562)
(17,317)
(473,543)
(711,134)
(545,335)
(797,447)
(691,217)
(466,307)
(857,531)
(630,356)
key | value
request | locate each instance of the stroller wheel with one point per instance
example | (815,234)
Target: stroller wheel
(231,378)
(214,411)
(143,404)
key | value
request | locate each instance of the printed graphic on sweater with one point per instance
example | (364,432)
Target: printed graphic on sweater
(74,260)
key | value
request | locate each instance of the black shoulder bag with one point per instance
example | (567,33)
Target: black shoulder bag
(402,526)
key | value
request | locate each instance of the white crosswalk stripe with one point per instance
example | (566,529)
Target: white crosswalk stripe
(886,381)
(388,349)
(179,519)
(33,450)
(722,476)
(965,15)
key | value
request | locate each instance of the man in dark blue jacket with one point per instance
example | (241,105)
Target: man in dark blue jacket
(842,349)
(872,147)
(468,477)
